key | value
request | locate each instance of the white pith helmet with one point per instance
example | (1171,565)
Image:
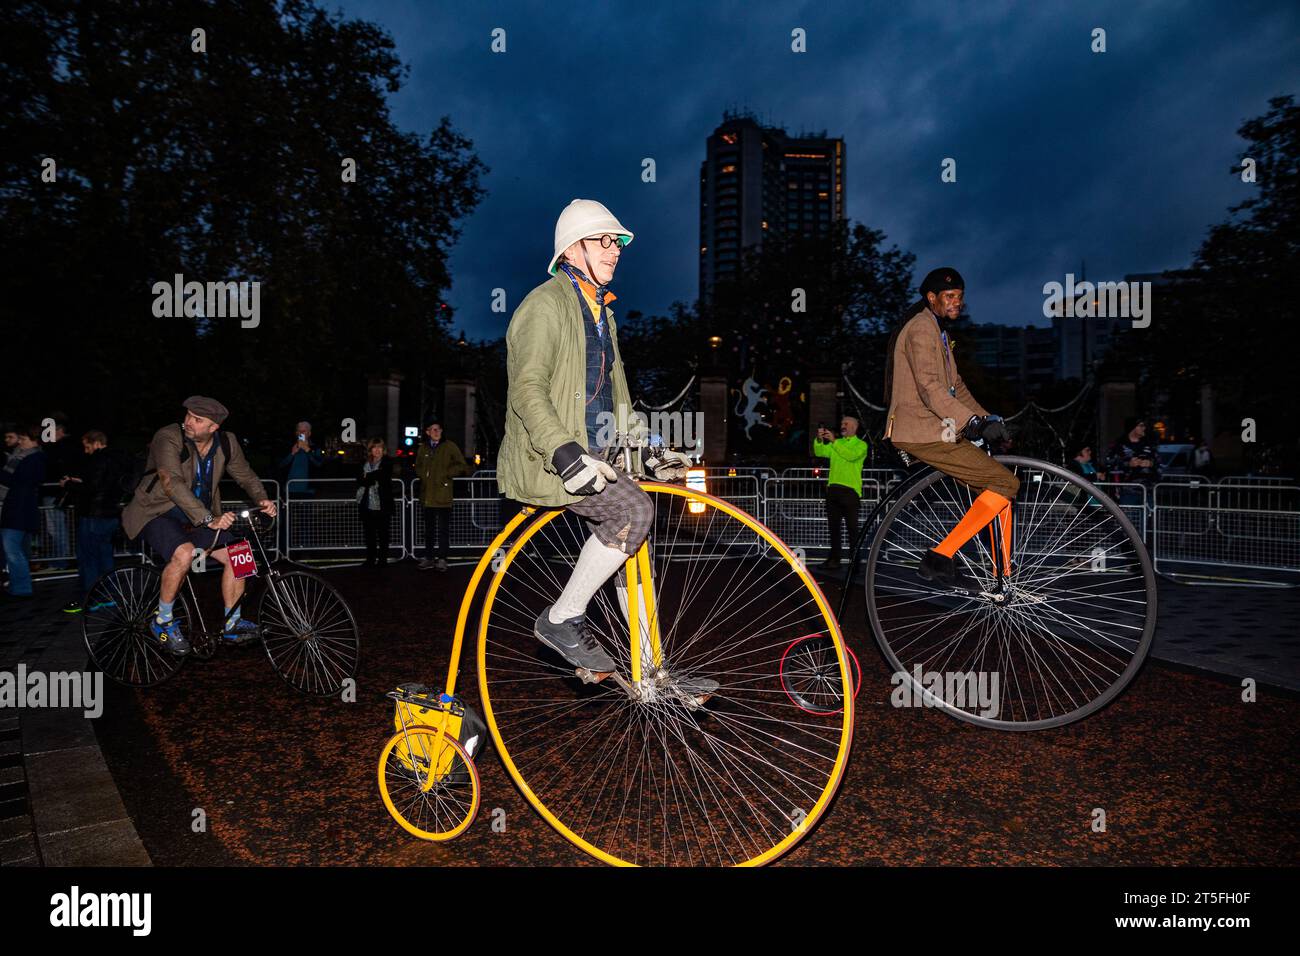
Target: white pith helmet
(582,219)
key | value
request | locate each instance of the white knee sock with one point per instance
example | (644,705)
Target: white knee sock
(595,564)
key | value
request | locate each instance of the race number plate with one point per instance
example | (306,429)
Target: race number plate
(242,561)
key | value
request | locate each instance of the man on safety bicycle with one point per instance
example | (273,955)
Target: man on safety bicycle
(173,509)
(566,388)
(934,418)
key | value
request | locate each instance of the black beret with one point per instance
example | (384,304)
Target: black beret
(938,280)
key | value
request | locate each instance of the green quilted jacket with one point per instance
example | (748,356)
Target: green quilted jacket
(546,359)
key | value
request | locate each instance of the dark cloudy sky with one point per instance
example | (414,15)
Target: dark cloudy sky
(1120,159)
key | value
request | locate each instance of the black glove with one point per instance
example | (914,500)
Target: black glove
(581,474)
(989,428)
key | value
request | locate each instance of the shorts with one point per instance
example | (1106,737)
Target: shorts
(620,516)
(165,534)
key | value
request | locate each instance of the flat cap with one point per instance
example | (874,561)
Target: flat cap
(207,407)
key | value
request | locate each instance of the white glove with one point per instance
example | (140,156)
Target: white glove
(581,474)
(668,465)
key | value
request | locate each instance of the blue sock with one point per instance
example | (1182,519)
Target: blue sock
(165,611)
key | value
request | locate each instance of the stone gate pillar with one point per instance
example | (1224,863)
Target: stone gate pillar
(823,402)
(384,394)
(713,409)
(1117,402)
(459,403)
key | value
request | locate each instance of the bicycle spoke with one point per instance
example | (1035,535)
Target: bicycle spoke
(1061,637)
(649,776)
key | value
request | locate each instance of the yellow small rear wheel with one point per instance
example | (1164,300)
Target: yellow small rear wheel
(439,810)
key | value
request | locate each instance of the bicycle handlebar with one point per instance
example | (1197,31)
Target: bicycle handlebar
(257,519)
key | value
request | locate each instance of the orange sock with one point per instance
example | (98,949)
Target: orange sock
(1004,520)
(983,510)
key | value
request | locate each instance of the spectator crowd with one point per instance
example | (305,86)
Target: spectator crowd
(68,493)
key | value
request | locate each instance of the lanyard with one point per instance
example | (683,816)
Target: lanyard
(203,471)
(600,301)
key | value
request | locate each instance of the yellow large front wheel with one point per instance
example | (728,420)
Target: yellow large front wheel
(692,752)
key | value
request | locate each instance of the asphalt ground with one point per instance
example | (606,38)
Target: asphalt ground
(1186,772)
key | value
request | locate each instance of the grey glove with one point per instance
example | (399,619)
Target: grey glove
(668,465)
(581,474)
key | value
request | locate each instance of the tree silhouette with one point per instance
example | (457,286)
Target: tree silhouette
(1228,319)
(217,165)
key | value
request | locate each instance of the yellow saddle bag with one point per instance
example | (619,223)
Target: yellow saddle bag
(421,705)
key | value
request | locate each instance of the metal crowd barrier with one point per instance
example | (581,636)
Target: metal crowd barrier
(1061,521)
(736,471)
(741,490)
(321,515)
(55,542)
(1256,480)
(475,514)
(886,478)
(1134,500)
(1242,523)
(795,509)
(1243,527)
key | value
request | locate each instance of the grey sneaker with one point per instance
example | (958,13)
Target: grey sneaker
(573,641)
(426,565)
(440,564)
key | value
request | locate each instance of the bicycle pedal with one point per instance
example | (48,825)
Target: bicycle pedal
(590,676)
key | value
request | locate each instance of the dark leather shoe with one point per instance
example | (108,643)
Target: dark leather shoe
(944,572)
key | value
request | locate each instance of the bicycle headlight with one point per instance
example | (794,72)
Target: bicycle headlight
(696,480)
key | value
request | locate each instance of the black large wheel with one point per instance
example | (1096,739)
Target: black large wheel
(309,633)
(115,626)
(1057,641)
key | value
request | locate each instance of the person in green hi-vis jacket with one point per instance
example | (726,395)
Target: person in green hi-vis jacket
(844,484)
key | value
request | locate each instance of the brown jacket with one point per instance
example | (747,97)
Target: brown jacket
(174,480)
(927,387)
